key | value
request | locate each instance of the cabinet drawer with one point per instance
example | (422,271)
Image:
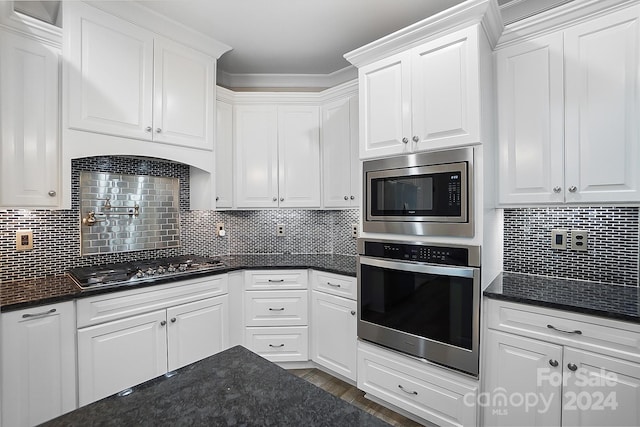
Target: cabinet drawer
(275,279)
(276,308)
(616,338)
(343,286)
(286,344)
(431,393)
(117,305)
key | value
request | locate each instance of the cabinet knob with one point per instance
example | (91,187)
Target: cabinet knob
(553,363)
(405,140)
(415,138)
(353,197)
(148,128)
(275,199)
(52,193)
(353,312)
(556,189)
(158,130)
(162,323)
(173,320)
(217,198)
(346,197)
(572,367)
(282,199)
(573,189)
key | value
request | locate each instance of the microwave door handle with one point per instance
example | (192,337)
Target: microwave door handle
(440,270)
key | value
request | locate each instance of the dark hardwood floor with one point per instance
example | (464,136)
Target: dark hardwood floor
(352,395)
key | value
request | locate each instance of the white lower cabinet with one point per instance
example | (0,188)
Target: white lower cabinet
(276,306)
(179,324)
(429,392)
(38,364)
(548,367)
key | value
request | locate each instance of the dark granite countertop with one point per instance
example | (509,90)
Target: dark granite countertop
(27,293)
(596,299)
(233,388)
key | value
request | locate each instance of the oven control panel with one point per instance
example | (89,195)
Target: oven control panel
(418,253)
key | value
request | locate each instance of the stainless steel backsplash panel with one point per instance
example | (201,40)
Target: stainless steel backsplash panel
(156,227)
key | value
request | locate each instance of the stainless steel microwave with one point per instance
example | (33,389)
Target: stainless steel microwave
(424,194)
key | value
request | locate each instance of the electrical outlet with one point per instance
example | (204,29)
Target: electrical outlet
(280,230)
(24,240)
(559,239)
(354,230)
(579,240)
(220,229)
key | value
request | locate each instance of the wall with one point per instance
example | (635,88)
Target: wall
(57,233)
(613,243)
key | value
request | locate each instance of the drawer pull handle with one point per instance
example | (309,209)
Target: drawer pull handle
(576,332)
(276,281)
(572,367)
(44,313)
(276,346)
(415,393)
(276,309)
(553,363)
(333,284)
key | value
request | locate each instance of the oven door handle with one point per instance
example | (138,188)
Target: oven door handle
(440,270)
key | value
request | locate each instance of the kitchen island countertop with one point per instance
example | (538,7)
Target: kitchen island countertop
(25,293)
(234,387)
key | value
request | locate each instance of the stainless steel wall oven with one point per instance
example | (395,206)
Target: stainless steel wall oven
(423,300)
(427,194)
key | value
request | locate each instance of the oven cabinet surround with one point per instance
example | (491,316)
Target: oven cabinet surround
(138,84)
(428,86)
(276,310)
(30,154)
(38,357)
(568,103)
(277,155)
(126,338)
(334,323)
(417,388)
(590,378)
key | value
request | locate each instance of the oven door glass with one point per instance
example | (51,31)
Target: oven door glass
(435,302)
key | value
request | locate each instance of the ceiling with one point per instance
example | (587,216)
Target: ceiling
(294,36)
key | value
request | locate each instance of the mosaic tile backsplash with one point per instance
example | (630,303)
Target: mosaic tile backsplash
(613,243)
(57,233)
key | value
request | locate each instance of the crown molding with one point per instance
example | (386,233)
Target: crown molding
(559,17)
(289,82)
(483,12)
(29,27)
(279,97)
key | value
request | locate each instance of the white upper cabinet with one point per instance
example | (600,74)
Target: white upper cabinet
(340,162)
(126,81)
(29,153)
(224,155)
(568,108)
(277,155)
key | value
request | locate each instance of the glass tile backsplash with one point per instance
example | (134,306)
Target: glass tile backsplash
(123,213)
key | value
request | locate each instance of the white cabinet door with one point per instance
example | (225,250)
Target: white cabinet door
(531,121)
(120,354)
(445,91)
(224,155)
(602,139)
(333,333)
(38,364)
(197,330)
(385,106)
(340,164)
(29,156)
(299,156)
(256,140)
(110,73)
(521,367)
(600,390)
(184,95)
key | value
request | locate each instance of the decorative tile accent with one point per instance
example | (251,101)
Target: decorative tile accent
(132,212)
(613,243)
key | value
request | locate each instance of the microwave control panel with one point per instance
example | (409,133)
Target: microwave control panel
(418,253)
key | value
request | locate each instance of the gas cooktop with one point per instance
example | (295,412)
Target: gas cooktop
(140,272)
